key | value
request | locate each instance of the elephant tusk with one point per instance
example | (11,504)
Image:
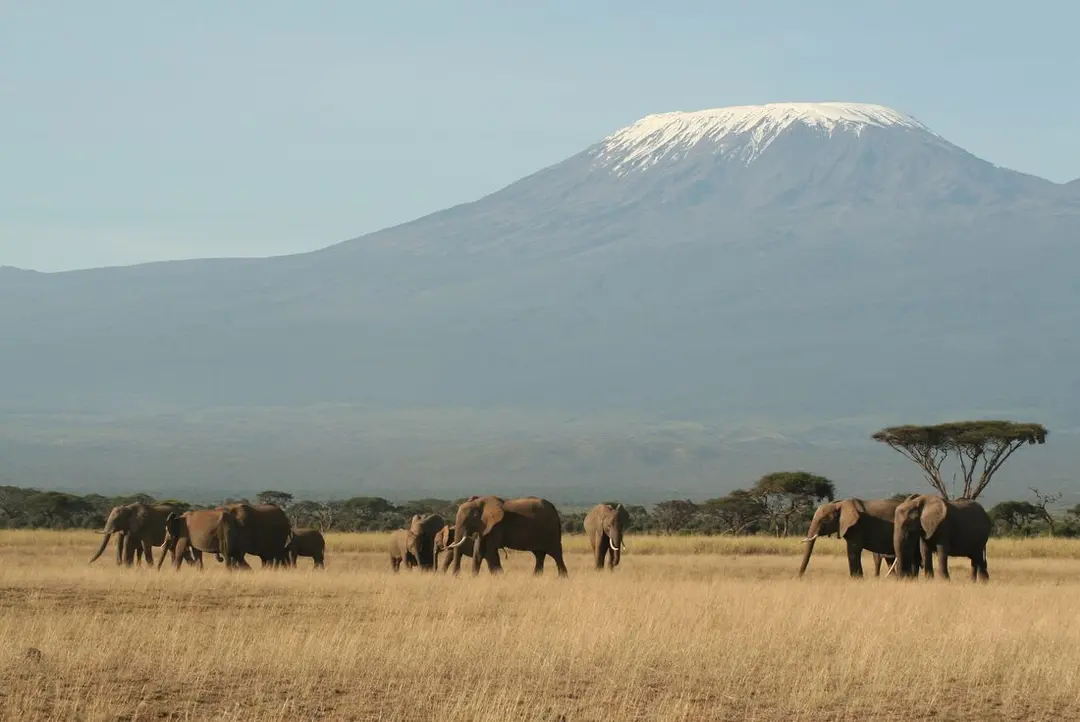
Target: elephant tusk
(458,543)
(613,547)
(891,568)
(809,539)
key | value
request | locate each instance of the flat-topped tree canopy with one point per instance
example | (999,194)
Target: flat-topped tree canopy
(982,447)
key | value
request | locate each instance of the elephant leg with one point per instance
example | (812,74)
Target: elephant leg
(319,564)
(478,559)
(148,552)
(560,565)
(169,546)
(928,559)
(181,547)
(943,560)
(120,548)
(129,549)
(984,573)
(877,564)
(599,552)
(539,567)
(494,563)
(854,559)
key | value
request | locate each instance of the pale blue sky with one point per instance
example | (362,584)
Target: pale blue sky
(134,131)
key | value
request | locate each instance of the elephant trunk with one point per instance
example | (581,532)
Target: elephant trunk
(810,542)
(902,563)
(104,543)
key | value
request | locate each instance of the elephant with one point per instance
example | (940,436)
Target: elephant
(952,528)
(604,526)
(399,550)
(139,528)
(863,524)
(527,524)
(423,529)
(208,531)
(306,543)
(265,529)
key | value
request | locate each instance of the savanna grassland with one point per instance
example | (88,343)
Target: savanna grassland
(686,629)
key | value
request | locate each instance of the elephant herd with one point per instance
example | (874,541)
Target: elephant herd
(906,533)
(491,523)
(229,532)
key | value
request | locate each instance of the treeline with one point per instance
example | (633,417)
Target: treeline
(780,504)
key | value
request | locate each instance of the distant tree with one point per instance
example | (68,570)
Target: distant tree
(981,447)
(1015,517)
(135,499)
(675,514)
(737,512)
(280,498)
(1043,502)
(790,495)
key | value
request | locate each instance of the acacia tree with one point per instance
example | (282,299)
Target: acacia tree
(788,495)
(981,447)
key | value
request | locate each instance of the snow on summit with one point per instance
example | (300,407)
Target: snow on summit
(742,131)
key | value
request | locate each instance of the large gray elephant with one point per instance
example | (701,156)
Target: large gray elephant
(956,528)
(862,524)
(527,524)
(139,528)
(266,530)
(604,526)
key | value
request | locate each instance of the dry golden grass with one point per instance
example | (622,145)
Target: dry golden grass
(684,630)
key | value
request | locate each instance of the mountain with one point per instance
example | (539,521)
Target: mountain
(796,271)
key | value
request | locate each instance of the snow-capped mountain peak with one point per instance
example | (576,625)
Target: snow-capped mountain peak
(743,131)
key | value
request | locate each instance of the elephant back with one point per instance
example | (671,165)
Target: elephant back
(265,528)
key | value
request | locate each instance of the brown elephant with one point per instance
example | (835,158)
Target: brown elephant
(399,550)
(306,543)
(862,524)
(604,526)
(139,528)
(212,531)
(951,528)
(527,524)
(265,529)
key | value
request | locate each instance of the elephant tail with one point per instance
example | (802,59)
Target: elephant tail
(225,539)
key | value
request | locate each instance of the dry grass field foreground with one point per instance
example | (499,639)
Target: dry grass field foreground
(686,629)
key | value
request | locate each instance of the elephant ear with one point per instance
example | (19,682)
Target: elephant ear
(492,514)
(622,514)
(934,512)
(850,512)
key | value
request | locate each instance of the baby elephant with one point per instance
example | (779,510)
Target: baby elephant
(400,551)
(306,543)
